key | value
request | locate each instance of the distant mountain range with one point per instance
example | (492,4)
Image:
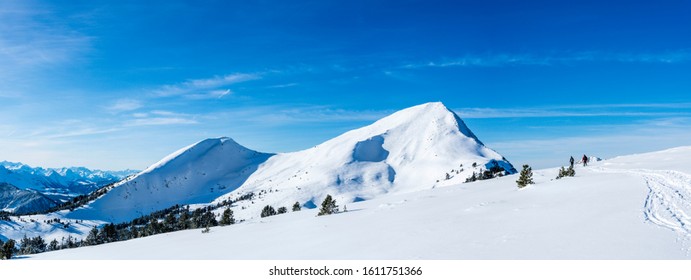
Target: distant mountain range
(29,189)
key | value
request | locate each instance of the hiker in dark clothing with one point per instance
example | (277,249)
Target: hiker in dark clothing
(571,161)
(585,160)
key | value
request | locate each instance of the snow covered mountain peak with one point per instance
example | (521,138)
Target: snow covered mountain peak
(417,148)
(433,114)
(197,173)
(197,150)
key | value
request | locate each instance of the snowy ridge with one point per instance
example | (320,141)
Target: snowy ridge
(195,174)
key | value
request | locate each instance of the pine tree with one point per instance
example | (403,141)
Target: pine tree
(296,207)
(184,221)
(526,177)
(170,222)
(268,211)
(566,172)
(570,172)
(227,217)
(38,245)
(8,249)
(108,233)
(53,246)
(328,206)
(92,238)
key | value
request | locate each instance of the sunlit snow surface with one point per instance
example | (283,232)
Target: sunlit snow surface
(631,207)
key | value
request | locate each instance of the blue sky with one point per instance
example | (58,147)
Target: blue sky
(120,84)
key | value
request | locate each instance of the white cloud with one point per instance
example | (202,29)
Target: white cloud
(209,88)
(293,114)
(35,38)
(160,121)
(160,117)
(124,105)
(284,85)
(82,132)
(593,110)
(164,113)
(209,94)
(563,58)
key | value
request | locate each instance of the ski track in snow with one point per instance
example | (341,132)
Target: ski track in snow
(668,203)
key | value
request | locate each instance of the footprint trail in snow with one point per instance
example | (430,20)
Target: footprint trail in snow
(668,203)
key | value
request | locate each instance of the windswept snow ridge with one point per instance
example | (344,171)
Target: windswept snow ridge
(196,174)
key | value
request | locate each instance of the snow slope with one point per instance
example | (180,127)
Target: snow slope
(195,174)
(410,150)
(631,207)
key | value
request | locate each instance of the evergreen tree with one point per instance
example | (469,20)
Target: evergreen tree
(268,211)
(8,249)
(472,178)
(296,207)
(38,245)
(328,206)
(25,245)
(227,217)
(170,222)
(184,221)
(566,172)
(71,242)
(526,177)
(208,219)
(108,233)
(92,238)
(153,227)
(54,245)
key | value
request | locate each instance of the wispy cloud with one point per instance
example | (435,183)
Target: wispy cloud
(284,85)
(124,105)
(220,93)
(294,114)
(559,58)
(205,88)
(160,117)
(160,121)
(82,132)
(593,110)
(31,37)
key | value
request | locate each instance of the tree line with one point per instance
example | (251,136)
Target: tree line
(171,219)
